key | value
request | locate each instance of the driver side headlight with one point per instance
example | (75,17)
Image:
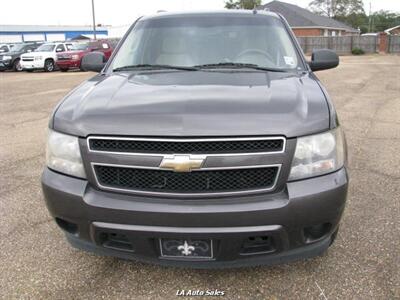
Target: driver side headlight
(63,154)
(318,154)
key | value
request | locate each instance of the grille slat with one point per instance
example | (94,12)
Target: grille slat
(210,181)
(192,147)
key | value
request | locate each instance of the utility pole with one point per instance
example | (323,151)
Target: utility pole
(94,20)
(370,18)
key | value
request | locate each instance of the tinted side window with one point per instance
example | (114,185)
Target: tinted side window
(94,45)
(60,46)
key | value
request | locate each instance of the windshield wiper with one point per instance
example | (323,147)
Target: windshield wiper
(238,66)
(154,67)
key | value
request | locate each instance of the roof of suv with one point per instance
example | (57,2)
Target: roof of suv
(225,12)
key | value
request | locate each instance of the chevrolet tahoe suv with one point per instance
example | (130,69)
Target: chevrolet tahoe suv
(44,57)
(205,141)
(72,58)
(12,60)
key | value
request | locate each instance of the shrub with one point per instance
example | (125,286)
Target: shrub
(357,51)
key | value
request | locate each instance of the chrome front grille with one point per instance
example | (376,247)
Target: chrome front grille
(216,166)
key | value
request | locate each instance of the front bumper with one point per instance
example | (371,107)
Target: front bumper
(32,65)
(68,64)
(5,65)
(88,214)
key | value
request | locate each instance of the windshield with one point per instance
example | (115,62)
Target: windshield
(18,47)
(46,48)
(203,40)
(80,46)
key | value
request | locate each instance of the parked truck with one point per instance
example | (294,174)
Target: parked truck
(205,141)
(73,58)
(44,57)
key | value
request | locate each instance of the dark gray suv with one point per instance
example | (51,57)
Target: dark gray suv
(205,141)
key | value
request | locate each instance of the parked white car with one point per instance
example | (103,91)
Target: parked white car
(44,57)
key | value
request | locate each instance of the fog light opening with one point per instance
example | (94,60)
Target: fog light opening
(116,241)
(316,232)
(69,227)
(258,245)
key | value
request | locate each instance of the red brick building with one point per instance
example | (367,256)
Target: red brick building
(305,23)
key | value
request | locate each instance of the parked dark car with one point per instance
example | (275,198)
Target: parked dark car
(11,59)
(4,48)
(205,141)
(72,59)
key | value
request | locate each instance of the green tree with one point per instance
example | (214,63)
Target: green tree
(383,19)
(242,4)
(337,8)
(355,20)
(377,22)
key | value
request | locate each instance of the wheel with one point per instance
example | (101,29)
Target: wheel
(64,69)
(17,66)
(49,65)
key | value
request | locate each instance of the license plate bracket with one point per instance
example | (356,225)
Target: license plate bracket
(186,248)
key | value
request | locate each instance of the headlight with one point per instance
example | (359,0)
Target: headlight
(38,57)
(318,154)
(63,154)
(75,57)
(7,57)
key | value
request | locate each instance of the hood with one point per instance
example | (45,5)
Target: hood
(76,52)
(197,103)
(69,53)
(12,53)
(37,53)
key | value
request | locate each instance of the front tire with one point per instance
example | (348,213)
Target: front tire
(49,65)
(17,66)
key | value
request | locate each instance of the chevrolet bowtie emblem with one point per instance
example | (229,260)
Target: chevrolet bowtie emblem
(182,163)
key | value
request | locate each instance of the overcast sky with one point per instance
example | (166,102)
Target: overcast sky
(120,12)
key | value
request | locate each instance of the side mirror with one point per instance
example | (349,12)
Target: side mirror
(59,50)
(94,61)
(29,50)
(323,59)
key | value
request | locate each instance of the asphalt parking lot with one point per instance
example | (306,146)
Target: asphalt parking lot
(36,261)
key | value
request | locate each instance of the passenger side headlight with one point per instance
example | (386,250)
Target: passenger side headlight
(38,57)
(63,154)
(318,154)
